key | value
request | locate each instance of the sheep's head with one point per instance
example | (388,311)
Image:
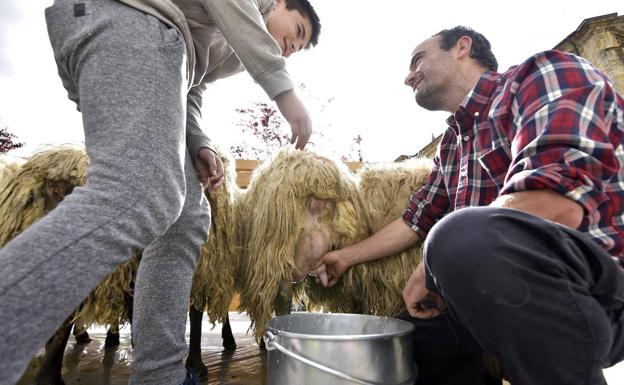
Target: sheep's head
(298,206)
(37,186)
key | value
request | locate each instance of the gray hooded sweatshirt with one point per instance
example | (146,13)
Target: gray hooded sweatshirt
(223,37)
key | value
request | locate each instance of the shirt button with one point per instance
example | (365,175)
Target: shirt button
(465,138)
(476,114)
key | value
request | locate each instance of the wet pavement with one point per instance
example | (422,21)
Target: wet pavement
(92,364)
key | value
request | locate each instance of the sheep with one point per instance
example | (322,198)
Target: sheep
(8,168)
(31,191)
(300,205)
(297,206)
(377,285)
(215,280)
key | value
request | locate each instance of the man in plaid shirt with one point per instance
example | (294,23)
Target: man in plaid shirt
(523,212)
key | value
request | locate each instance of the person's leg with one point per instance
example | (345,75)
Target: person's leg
(446,354)
(541,297)
(162,292)
(127,75)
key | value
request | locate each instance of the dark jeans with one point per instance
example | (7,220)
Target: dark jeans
(543,298)
(446,354)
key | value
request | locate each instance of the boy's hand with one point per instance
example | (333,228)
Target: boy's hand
(209,167)
(297,116)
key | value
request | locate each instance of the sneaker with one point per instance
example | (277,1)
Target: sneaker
(191,378)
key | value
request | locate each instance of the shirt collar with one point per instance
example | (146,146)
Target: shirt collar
(475,103)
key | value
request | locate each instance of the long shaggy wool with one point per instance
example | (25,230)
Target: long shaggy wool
(218,265)
(35,189)
(386,190)
(376,287)
(270,220)
(8,168)
(107,304)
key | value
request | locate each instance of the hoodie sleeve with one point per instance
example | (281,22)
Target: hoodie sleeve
(195,137)
(244,29)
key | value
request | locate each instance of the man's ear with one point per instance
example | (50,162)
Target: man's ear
(464,46)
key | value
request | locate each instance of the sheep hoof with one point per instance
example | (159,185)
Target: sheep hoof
(112,340)
(229,344)
(50,381)
(199,368)
(261,344)
(83,338)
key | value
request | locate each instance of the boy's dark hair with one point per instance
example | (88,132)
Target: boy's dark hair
(305,9)
(481,50)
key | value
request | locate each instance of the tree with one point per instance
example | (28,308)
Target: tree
(6,141)
(355,152)
(264,124)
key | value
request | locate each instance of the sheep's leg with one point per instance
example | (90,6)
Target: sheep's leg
(52,363)
(80,333)
(109,358)
(229,343)
(194,359)
(283,300)
(112,337)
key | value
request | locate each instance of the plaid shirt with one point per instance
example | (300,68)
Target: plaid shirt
(553,122)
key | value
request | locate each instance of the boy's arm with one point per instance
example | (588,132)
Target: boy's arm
(243,27)
(204,157)
(195,137)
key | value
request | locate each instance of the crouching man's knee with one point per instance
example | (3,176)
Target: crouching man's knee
(466,244)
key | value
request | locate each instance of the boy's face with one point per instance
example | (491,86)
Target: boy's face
(289,28)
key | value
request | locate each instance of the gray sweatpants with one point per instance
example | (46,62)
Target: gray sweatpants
(126,72)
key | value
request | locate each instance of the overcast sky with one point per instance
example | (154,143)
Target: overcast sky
(360,64)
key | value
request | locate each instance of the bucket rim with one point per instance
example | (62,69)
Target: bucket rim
(409,328)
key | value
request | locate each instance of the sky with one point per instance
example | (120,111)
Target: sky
(358,66)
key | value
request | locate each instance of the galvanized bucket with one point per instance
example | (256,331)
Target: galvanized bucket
(339,349)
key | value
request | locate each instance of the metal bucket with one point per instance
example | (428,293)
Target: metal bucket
(339,349)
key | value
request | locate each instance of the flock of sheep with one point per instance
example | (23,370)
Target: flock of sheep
(257,243)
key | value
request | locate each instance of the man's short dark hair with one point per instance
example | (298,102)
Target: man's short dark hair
(481,49)
(305,9)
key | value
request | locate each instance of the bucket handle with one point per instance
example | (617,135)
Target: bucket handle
(270,342)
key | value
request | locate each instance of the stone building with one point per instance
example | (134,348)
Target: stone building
(599,39)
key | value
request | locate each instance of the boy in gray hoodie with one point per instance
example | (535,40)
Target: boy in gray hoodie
(137,70)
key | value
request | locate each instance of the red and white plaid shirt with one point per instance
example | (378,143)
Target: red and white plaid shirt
(553,122)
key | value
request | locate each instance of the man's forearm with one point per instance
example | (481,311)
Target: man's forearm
(390,240)
(545,204)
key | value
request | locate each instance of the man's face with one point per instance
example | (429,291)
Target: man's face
(289,28)
(431,74)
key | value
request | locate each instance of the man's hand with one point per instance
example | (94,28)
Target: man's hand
(210,168)
(415,293)
(333,265)
(297,116)
(321,275)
